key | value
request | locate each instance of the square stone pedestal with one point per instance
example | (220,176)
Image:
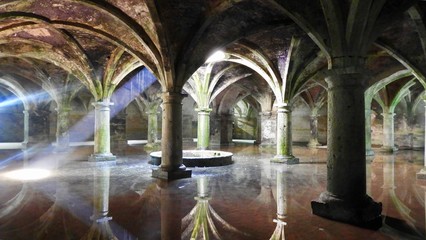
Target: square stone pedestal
(367,214)
(102,158)
(285,159)
(421,174)
(173,175)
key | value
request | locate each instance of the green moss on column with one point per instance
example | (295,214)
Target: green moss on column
(152,126)
(368,150)
(283,137)
(62,127)
(203,128)
(102,148)
(388,132)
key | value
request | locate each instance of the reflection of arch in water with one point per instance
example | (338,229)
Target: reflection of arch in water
(15,204)
(391,225)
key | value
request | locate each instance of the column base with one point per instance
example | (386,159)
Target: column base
(102,158)
(389,149)
(366,214)
(421,174)
(313,144)
(369,152)
(171,175)
(285,159)
(267,145)
(62,150)
(152,147)
(230,144)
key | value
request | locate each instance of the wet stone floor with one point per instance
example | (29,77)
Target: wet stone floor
(81,200)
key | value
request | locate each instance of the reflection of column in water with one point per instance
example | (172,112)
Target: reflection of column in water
(203,221)
(100,228)
(389,172)
(281,205)
(389,190)
(170,210)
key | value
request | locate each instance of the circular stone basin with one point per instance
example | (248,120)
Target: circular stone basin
(199,158)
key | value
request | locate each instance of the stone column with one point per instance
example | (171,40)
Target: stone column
(171,141)
(422,173)
(38,129)
(267,129)
(313,141)
(118,133)
(283,136)
(102,149)
(62,127)
(346,199)
(368,150)
(203,128)
(26,129)
(152,129)
(388,132)
(226,128)
(222,130)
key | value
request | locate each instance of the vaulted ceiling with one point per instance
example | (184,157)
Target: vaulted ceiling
(52,43)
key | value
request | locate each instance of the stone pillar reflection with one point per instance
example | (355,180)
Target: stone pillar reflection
(102,148)
(279,233)
(368,150)
(101,228)
(346,199)
(62,128)
(388,132)
(170,211)
(203,128)
(313,123)
(171,142)
(283,136)
(422,173)
(389,173)
(267,129)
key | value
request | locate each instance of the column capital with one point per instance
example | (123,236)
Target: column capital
(348,72)
(265,113)
(203,110)
(101,104)
(149,112)
(341,79)
(172,97)
(283,107)
(388,114)
(63,109)
(348,63)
